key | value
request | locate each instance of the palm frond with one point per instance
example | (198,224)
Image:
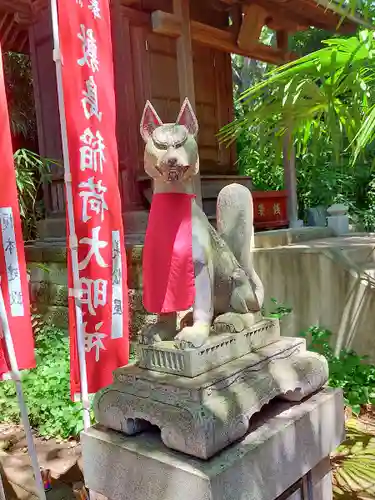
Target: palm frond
(331,89)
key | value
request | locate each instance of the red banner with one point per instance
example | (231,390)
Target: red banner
(90,110)
(14,284)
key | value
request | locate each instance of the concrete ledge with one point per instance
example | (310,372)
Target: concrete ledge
(284,444)
(285,237)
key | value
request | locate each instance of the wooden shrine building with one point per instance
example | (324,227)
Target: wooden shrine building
(164,50)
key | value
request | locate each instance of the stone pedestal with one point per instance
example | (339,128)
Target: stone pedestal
(202,415)
(338,219)
(284,455)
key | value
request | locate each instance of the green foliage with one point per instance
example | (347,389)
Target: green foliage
(277,310)
(305,97)
(32,172)
(326,94)
(46,388)
(353,462)
(347,370)
(20,94)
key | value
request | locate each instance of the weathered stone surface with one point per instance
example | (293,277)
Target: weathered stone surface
(33,253)
(285,443)
(55,253)
(219,349)
(55,316)
(46,252)
(53,272)
(202,415)
(47,293)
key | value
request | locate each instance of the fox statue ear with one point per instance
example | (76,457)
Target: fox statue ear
(149,122)
(187,118)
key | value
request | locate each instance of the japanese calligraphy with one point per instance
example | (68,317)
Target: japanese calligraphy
(261,210)
(13,272)
(100,289)
(95,245)
(93,198)
(117,306)
(89,49)
(116,277)
(94,340)
(93,293)
(11,262)
(92,152)
(117,288)
(116,252)
(90,100)
(10,246)
(15,298)
(95,8)
(6,222)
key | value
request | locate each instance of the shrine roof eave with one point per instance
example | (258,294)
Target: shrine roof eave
(329,15)
(17,15)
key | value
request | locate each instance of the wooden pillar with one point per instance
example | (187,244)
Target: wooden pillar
(47,112)
(290,179)
(289,157)
(127,120)
(185,68)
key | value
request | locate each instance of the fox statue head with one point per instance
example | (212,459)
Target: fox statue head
(171,152)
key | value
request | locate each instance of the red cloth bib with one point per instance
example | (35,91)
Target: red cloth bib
(168,268)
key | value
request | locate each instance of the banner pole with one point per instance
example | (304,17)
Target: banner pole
(2,489)
(15,375)
(72,237)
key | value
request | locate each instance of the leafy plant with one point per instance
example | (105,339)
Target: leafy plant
(353,462)
(324,99)
(347,370)
(278,310)
(326,94)
(32,172)
(46,388)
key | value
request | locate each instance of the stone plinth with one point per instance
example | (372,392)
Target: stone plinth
(202,415)
(219,349)
(285,443)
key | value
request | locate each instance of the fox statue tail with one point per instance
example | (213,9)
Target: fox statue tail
(235,225)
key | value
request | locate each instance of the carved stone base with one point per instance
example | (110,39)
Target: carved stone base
(202,415)
(221,348)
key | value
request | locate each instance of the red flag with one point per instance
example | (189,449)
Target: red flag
(14,284)
(88,88)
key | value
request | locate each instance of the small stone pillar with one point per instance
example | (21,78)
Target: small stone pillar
(338,218)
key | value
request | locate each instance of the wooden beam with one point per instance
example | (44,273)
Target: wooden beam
(253,20)
(185,68)
(15,6)
(167,24)
(184,48)
(236,16)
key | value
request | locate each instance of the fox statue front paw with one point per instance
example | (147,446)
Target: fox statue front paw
(193,336)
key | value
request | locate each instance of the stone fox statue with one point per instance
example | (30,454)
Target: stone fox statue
(186,262)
